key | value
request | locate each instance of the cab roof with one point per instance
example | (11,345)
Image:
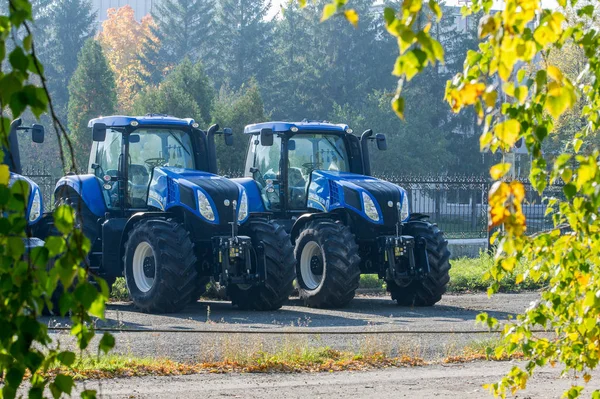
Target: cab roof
(304,126)
(151,119)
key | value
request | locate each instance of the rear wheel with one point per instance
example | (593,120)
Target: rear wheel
(160,266)
(428,291)
(279,255)
(327,264)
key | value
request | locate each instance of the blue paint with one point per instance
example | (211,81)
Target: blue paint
(33,189)
(282,127)
(255,201)
(121,121)
(89,189)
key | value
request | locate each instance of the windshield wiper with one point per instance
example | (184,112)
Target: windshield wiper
(179,142)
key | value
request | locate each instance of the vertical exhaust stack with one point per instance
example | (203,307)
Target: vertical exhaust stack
(364,145)
(212,153)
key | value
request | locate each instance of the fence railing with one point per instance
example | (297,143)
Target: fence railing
(458,204)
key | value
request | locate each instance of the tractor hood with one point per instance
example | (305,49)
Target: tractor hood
(350,190)
(212,198)
(34,204)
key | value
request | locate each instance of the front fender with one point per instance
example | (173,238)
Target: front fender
(255,202)
(88,188)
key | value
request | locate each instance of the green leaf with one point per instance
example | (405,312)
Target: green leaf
(106,343)
(62,384)
(435,7)
(18,59)
(398,106)
(89,393)
(64,218)
(67,358)
(389,15)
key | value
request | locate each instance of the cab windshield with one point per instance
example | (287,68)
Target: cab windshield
(148,148)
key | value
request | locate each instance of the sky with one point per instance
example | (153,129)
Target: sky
(277,4)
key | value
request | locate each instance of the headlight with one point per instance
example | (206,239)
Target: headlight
(370,208)
(206,210)
(36,207)
(243,210)
(403,208)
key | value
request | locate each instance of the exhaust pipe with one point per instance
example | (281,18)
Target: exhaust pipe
(364,146)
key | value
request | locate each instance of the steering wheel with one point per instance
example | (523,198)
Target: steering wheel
(154,162)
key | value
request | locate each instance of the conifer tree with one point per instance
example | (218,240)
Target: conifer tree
(243,41)
(92,93)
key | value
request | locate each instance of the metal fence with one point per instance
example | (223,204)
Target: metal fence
(458,204)
(46,182)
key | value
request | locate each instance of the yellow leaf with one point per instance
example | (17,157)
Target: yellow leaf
(555,73)
(518,190)
(587,377)
(352,17)
(328,11)
(485,140)
(398,106)
(4,175)
(302,3)
(519,279)
(508,132)
(470,92)
(490,98)
(499,170)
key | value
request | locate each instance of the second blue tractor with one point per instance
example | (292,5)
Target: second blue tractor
(315,179)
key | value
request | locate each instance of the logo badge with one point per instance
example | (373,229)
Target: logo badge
(226,202)
(390,204)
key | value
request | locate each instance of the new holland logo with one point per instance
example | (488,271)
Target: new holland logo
(226,202)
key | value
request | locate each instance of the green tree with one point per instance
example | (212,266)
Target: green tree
(243,41)
(183,28)
(235,109)
(92,93)
(186,93)
(71,23)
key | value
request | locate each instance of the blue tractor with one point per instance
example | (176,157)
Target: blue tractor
(315,179)
(12,158)
(156,213)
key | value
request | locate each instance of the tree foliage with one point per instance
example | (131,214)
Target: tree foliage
(513,104)
(235,109)
(185,93)
(28,277)
(91,94)
(122,39)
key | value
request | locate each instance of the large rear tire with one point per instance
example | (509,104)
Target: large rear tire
(160,266)
(279,255)
(428,291)
(327,264)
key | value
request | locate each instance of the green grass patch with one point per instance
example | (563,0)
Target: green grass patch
(371,281)
(467,275)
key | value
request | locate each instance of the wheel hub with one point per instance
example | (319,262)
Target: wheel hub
(316,265)
(149,269)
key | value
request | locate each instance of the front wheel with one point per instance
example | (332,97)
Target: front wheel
(327,264)
(429,290)
(160,266)
(279,255)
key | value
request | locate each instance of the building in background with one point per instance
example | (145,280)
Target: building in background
(141,7)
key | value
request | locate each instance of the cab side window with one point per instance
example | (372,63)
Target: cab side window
(265,171)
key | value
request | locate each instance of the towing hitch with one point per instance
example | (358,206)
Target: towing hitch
(234,260)
(404,257)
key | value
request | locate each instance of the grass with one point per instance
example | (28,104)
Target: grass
(290,356)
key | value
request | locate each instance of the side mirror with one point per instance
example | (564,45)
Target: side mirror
(228,136)
(99,132)
(381,141)
(134,138)
(291,145)
(37,133)
(266,137)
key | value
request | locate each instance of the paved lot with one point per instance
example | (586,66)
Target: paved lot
(455,313)
(452,381)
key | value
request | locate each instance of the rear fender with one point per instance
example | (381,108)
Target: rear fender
(88,188)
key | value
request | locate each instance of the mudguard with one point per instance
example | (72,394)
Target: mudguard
(255,202)
(88,188)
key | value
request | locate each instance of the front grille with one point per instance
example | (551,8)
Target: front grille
(220,190)
(383,192)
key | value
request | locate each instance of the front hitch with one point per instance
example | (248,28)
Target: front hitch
(233,261)
(404,257)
